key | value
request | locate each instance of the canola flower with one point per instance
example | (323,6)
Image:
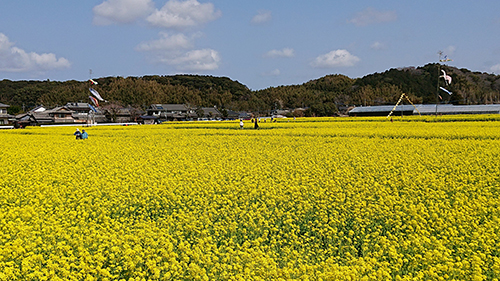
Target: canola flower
(311,199)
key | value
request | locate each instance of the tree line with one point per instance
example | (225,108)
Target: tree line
(325,96)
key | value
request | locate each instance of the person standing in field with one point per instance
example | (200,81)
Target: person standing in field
(256,126)
(84,135)
(241,123)
(78,134)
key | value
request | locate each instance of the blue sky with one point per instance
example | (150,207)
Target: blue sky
(258,43)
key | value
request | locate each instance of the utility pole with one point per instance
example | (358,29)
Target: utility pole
(440,53)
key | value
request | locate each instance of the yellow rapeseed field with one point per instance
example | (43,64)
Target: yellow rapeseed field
(305,199)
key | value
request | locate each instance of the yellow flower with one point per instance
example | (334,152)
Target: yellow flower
(317,199)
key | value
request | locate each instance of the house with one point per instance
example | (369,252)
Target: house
(80,113)
(61,114)
(78,107)
(123,114)
(210,113)
(4,116)
(80,110)
(39,108)
(42,116)
(147,119)
(233,115)
(85,113)
(34,117)
(171,112)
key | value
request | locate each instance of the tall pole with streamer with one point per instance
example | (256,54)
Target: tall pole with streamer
(440,53)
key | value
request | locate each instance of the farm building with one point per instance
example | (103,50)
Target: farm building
(425,109)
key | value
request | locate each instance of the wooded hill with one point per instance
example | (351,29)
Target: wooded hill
(321,97)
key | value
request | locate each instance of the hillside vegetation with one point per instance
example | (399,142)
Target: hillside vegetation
(321,97)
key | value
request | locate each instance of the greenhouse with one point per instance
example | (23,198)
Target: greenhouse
(425,109)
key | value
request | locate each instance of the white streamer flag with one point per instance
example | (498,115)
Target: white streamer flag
(96,94)
(447,78)
(448,92)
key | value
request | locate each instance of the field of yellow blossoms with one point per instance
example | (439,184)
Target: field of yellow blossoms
(305,199)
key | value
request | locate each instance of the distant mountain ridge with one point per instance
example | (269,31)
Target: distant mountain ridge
(324,96)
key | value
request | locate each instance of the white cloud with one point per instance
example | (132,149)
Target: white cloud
(121,11)
(176,50)
(206,59)
(194,60)
(284,53)
(166,42)
(183,14)
(378,45)
(5,44)
(495,68)
(372,16)
(337,58)
(14,59)
(262,17)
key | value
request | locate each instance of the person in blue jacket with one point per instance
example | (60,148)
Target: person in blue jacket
(84,135)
